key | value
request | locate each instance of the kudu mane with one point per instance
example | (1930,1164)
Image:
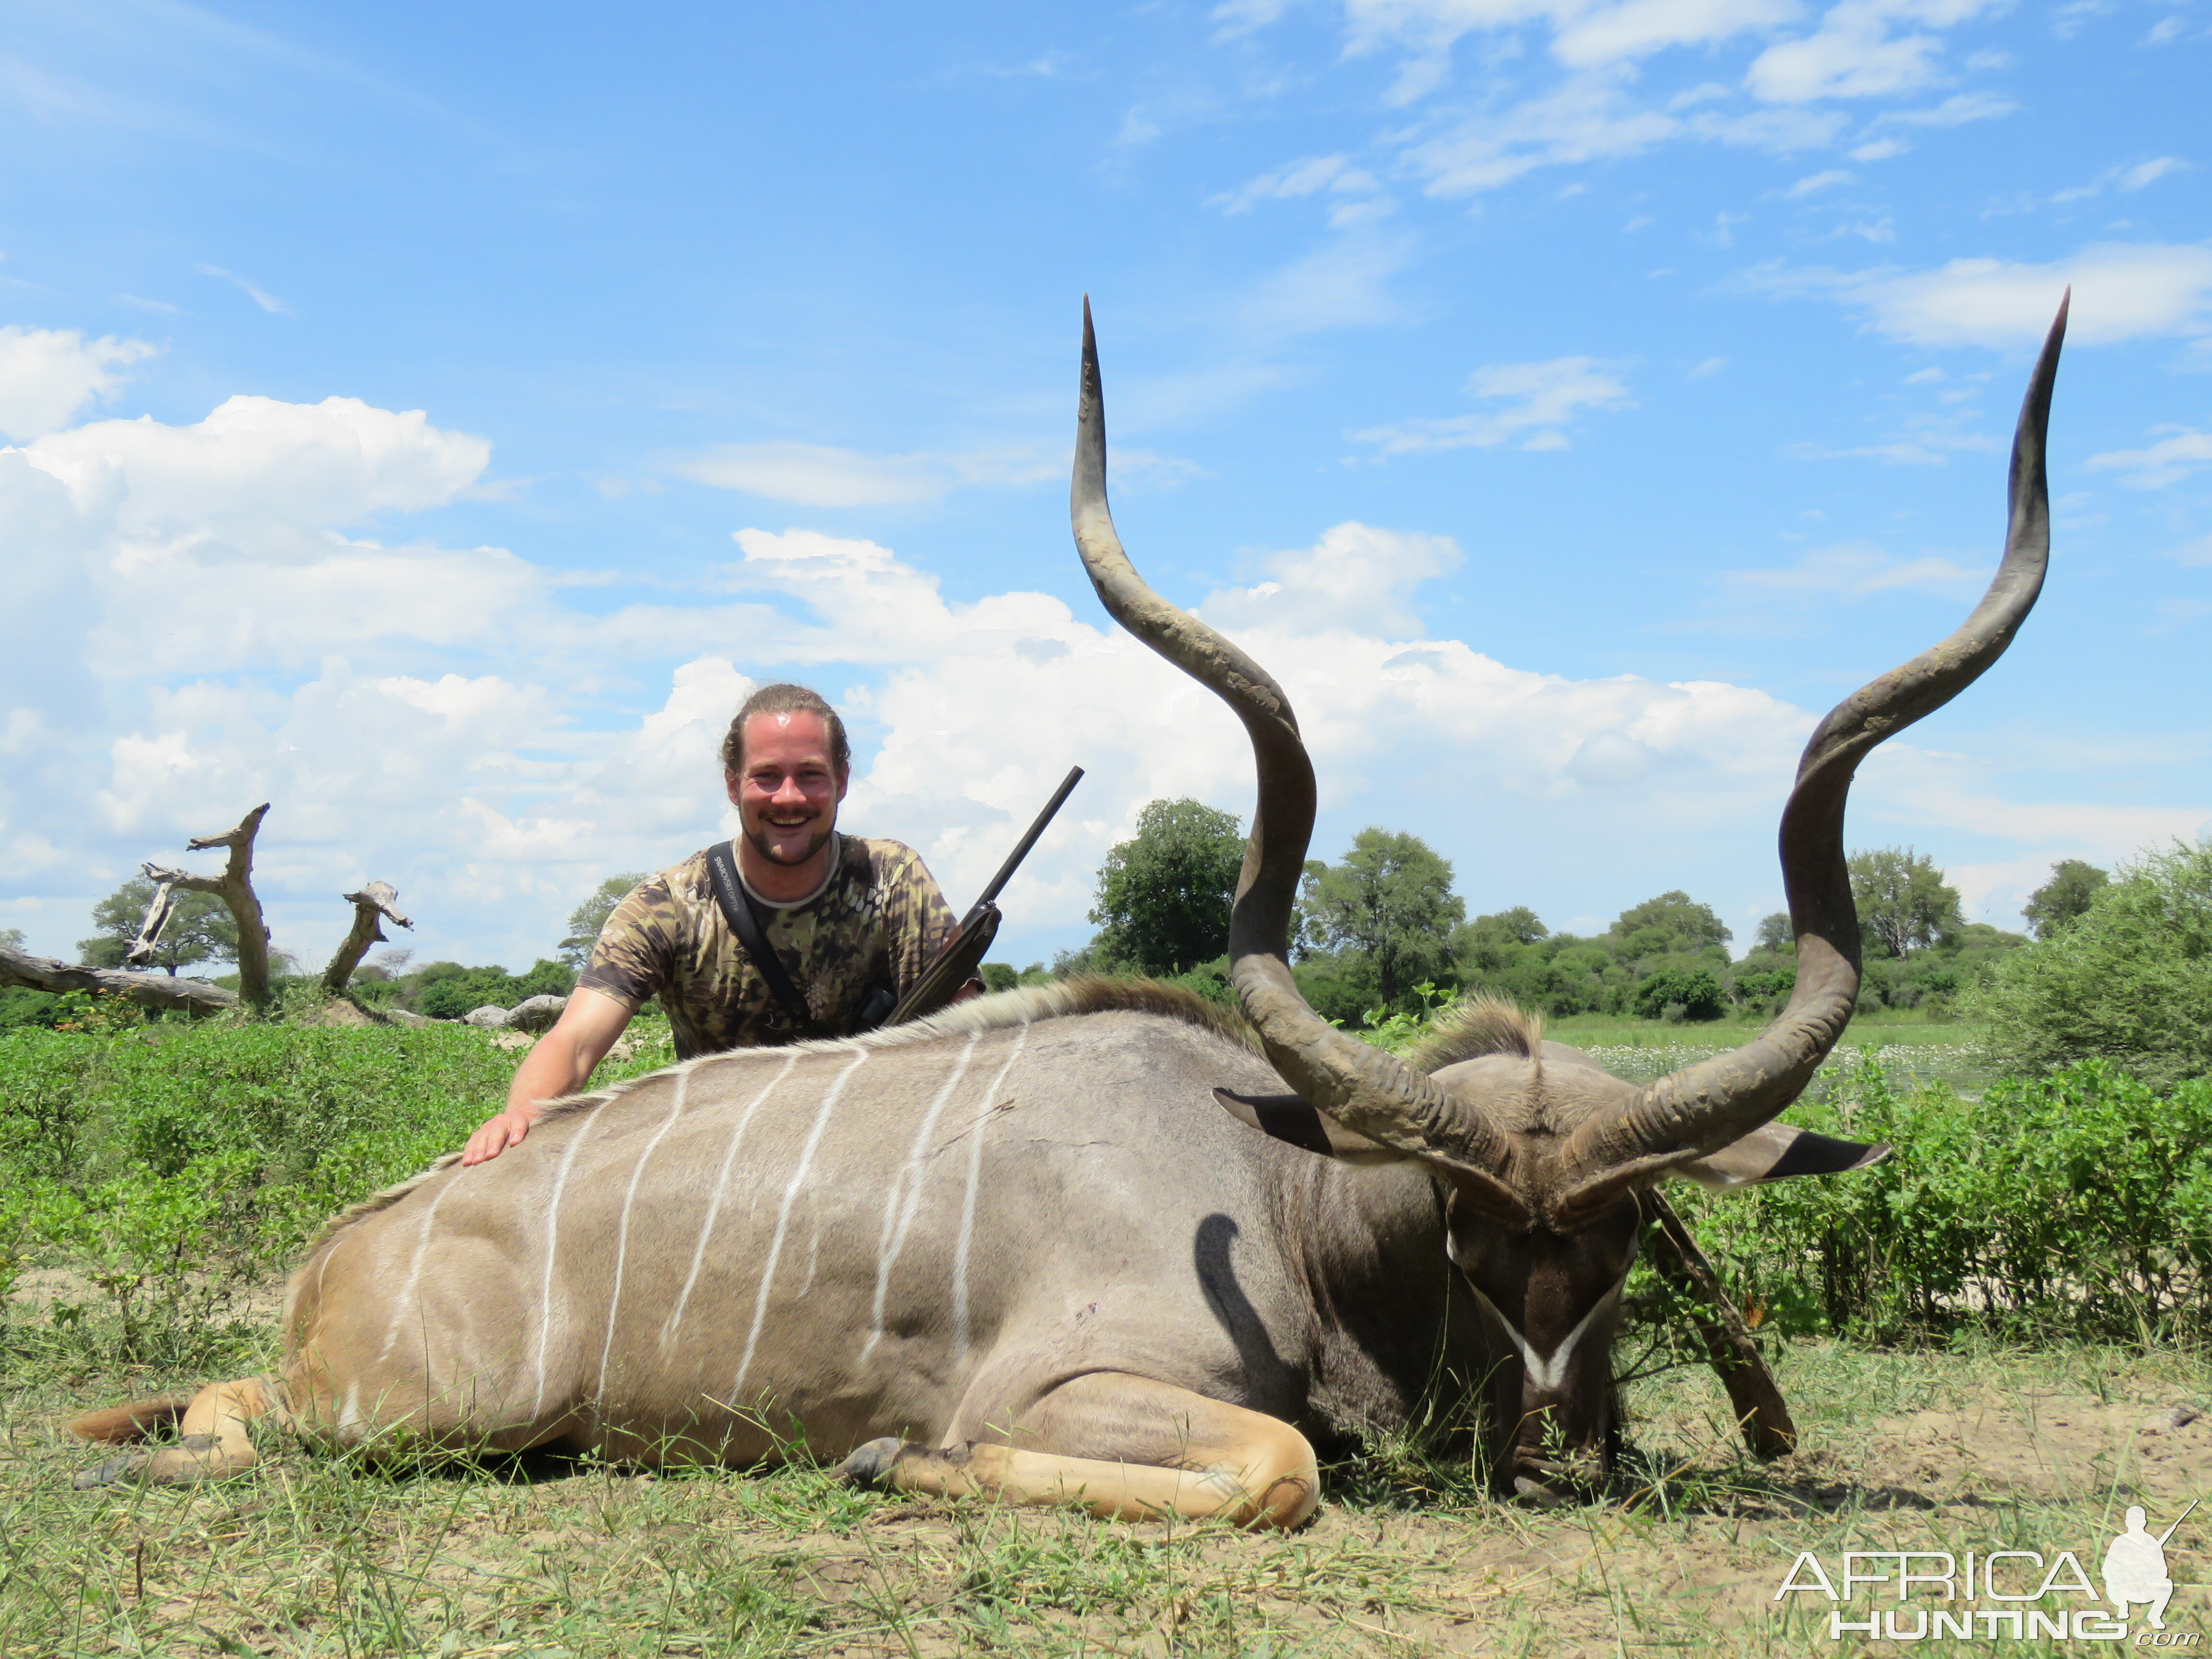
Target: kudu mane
(1478,1025)
(1025,1005)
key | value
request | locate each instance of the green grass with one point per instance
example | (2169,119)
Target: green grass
(311,1554)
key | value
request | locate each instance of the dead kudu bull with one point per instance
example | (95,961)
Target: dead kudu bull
(1022,1238)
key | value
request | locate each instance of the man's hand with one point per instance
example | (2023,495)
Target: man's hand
(495,1135)
(560,1064)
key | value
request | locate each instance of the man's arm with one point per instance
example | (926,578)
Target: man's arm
(561,1063)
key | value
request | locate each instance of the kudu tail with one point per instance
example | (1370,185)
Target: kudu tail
(121,1425)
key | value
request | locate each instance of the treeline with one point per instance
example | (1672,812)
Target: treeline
(1382,931)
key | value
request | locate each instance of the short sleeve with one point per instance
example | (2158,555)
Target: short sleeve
(635,954)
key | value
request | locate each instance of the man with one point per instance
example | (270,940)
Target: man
(851,922)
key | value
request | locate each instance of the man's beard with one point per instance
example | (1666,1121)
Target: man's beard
(761,845)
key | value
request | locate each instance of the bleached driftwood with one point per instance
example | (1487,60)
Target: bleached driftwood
(234,887)
(151,990)
(376,900)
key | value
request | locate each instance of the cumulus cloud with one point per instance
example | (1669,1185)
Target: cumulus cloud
(48,375)
(417,714)
(1539,402)
(1857,51)
(2122,291)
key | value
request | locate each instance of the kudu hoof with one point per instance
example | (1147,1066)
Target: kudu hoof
(869,1468)
(128,1466)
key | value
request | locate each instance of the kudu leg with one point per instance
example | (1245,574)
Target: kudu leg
(1125,1448)
(1753,1393)
(213,1440)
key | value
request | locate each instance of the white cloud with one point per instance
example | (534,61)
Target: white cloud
(1356,579)
(2167,461)
(1854,54)
(2135,178)
(1857,570)
(2122,291)
(1588,118)
(1334,173)
(1818,181)
(202,627)
(261,297)
(1539,400)
(820,475)
(1954,111)
(48,375)
(1636,28)
(817,475)
(1343,283)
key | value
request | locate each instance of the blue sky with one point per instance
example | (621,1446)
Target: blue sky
(431,419)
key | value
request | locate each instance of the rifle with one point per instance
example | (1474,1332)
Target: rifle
(960,955)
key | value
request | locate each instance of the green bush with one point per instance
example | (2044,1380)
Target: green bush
(1690,992)
(2130,981)
(174,1168)
(2077,1203)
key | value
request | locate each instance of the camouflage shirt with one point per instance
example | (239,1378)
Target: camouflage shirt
(875,922)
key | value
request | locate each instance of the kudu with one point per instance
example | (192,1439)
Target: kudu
(1021,1239)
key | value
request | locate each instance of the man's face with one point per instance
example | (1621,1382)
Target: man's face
(786,797)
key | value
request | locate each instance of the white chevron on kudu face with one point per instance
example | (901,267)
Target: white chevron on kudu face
(783,1215)
(675,1319)
(1548,1371)
(968,1202)
(903,1197)
(622,1233)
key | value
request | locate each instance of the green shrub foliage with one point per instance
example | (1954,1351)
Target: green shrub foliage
(1163,896)
(173,1169)
(2078,1204)
(2129,980)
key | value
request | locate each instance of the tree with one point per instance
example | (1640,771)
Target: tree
(2130,982)
(1518,925)
(201,929)
(1776,933)
(1391,902)
(1163,896)
(2072,887)
(1674,924)
(1904,902)
(11,939)
(587,918)
(1684,993)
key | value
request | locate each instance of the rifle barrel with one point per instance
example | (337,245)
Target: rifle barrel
(1022,847)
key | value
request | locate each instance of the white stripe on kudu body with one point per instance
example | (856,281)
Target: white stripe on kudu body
(905,1195)
(414,1270)
(967,1205)
(783,1215)
(715,1204)
(552,1240)
(622,1233)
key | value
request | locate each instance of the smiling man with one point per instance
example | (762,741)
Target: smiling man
(848,923)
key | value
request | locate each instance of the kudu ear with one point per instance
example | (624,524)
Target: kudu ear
(1288,1118)
(1775,1151)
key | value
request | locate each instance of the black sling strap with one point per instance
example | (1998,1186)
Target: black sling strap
(738,910)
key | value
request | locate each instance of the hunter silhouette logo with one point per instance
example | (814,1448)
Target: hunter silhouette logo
(2135,1567)
(2000,1595)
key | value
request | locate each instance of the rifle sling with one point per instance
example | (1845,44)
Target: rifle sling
(738,910)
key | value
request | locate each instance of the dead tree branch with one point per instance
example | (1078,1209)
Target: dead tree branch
(234,887)
(158,912)
(151,990)
(375,902)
